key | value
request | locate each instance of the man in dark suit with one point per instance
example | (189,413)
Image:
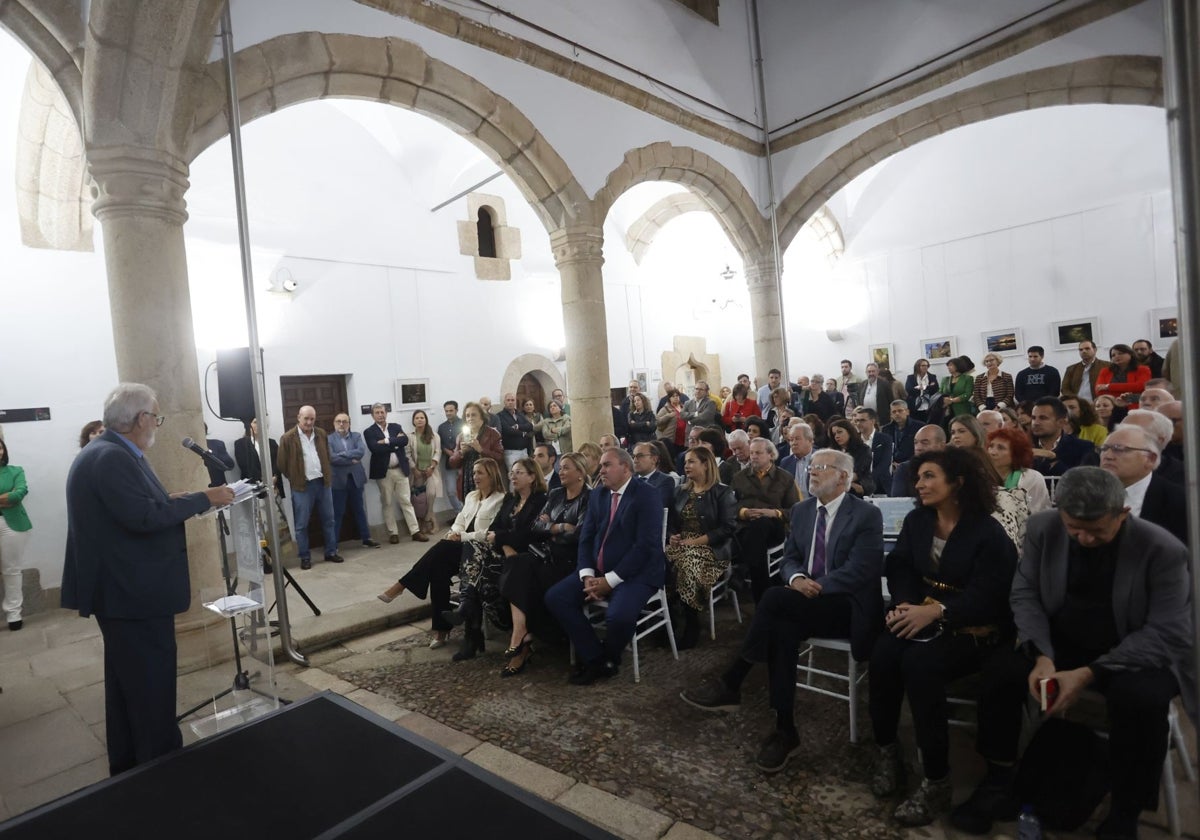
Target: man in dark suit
(903,432)
(516,432)
(546,458)
(645,469)
(1101,601)
(1132,454)
(389,468)
(929,438)
(867,423)
(1055,451)
(832,567)
(874,393)
(620,560)
(739,444)
(249,464)
(217,448)
(126,563)
(346,451)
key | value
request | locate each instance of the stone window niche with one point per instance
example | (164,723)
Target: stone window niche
(486,237)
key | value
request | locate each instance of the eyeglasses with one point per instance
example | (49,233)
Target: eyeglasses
(1118,449)
(642,455)
(816,468)
(159,419)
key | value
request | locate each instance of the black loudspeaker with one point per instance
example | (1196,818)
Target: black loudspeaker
(235,391)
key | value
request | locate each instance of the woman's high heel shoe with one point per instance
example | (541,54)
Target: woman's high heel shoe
(509,670)
(472,644)
(510,652)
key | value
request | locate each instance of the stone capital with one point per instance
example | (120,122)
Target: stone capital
(137,181)
(578,244)
(761,273)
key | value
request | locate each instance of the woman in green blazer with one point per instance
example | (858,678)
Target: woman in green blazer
(14,534)
(957,389)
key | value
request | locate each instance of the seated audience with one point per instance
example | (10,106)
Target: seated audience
(1012,457)
(832,568)
(949,577)
(1125,379)
(1084,422)
(920,388)
(756,427)
(1124,634)
(431,574)
(903,432)
(1055,451)
(1152,398)
(739,448)
(1108,413)
(620,561)
(929,438)
(591,454)
(1163,431)
(765,496)
(1132,454)
(1011,420)
(881,447)
(843,437)
(701,523)
(547,461)
(646,468)
(989,420)
(551,556)
(1173,411)
(798,461)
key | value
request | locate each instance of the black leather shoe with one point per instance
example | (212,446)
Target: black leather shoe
(370,544)
(305,563)
(712,695)
(334,558)
(16,625)
(592,672)
(775,751)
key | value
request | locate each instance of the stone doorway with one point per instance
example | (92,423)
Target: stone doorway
(530,388)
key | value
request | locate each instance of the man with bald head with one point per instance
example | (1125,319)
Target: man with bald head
(304,462)
(1152,398)
(930,438)
(346,453)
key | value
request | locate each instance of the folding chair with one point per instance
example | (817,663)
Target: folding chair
(722,591)
(856,672)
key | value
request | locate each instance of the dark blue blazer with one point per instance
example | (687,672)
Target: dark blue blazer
(217,448)
(634,550)
(382,449)
(126,549)
(346,455)
(853,563)
(881,461)
(902,484)
(661,482)
(903,438)
(1071,452)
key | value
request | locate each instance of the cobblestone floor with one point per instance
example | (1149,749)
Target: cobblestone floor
(643,743)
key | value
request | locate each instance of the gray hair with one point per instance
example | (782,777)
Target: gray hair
(737,436)
(803,428)
(1157,425)
(377,405)
(1149,441)
(622,456)
(818,378)
(1089,493)
(841,460)
(899,403)
(770,447)
(129,399)
(999,417)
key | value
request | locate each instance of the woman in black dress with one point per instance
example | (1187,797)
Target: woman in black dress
(845,438)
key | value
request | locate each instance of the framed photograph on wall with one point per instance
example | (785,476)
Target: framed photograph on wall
(1006,341)
(1066,335)
(642,377)
(939,350)
(411,394)
(883,355)
(1164,324)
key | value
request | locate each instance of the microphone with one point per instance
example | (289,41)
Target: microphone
(209,458)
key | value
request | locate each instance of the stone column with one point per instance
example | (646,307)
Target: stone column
(765,319)
(139,202)
(578,253)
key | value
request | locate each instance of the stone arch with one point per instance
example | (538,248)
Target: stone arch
(541,367)
(1113,80)
(304,66)
(716,186)
(641,233)
(52,32)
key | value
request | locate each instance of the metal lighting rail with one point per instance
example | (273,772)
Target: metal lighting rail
(260,395)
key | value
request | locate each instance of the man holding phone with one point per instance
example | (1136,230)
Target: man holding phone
(1102,601)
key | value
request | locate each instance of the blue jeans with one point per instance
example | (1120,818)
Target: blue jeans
(450,484)
(352,495)
(314,495)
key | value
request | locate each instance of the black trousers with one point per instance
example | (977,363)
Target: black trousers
(139,690)
(754,538)
(431,577)
(1137,711)
(920,671)
(782,621)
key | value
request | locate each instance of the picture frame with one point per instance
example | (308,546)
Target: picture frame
(1066,335)
(1164,324)
(939,350)
(642,376)
(883,355)
(412,394)
(1006,341)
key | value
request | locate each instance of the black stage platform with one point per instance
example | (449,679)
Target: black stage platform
(320,768)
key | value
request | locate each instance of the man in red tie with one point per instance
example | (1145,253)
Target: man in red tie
(621,561)
(832,566)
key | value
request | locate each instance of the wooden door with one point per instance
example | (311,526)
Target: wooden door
(326,394)
(530,389)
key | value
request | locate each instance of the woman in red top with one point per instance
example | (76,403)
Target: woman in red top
(738,407)
(1126,379)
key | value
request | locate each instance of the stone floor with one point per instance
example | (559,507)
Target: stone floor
(630,757)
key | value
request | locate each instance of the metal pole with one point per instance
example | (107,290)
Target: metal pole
(778,255)
(1181,81)
(260,395)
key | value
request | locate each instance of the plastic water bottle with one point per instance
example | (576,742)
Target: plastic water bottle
(1029,827)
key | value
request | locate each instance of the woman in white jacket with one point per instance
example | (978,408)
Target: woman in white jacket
(431,574)
(1012,456)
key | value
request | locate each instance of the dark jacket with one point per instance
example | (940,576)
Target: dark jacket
(978,563)
(516,432)
(776,489)
(881,462)
(126,547)
(1165,504)
(291,457)
(382,448)
(903,438)
(515,530)
(663,483)
(1070,452)
(448,436)
(217,448)
(853,563)
(863,469)
(559,510)
(633,548)
(914,392)
(716,508)
(642,427)
(883,396)
(245,453)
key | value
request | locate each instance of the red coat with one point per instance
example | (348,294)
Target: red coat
(1134,384)
(735,415)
